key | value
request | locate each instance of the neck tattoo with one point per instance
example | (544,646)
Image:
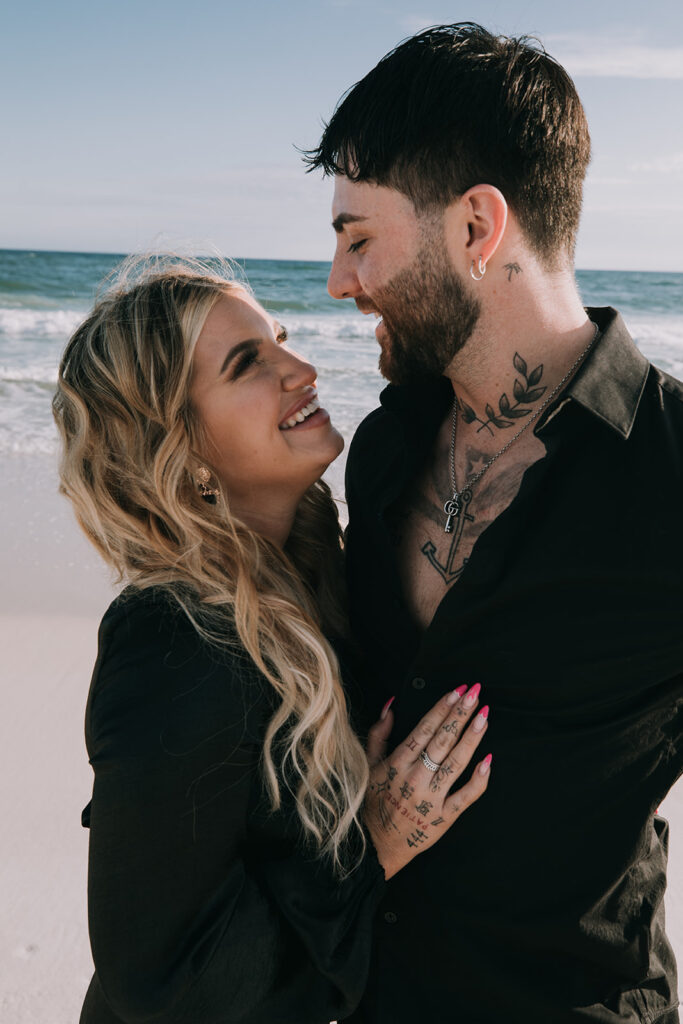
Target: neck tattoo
(453,506)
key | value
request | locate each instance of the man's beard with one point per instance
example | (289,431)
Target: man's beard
(428,314)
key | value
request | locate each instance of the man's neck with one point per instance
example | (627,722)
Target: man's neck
(526,340)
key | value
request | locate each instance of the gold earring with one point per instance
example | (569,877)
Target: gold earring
(203,478)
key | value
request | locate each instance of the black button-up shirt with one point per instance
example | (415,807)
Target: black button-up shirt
(543,904)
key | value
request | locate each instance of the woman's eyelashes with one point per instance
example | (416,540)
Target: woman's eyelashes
(249,357)
(356,246)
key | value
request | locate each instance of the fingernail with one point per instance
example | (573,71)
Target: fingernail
(385,710)
(480,719)
(455,696)
(472,695)
(485,764)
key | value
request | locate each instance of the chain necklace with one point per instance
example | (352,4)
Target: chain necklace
(453,506)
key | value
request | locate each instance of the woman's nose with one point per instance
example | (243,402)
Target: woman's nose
(297,372)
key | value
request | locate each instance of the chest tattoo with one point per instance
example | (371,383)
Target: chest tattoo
(448,571)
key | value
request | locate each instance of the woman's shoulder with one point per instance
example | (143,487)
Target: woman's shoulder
(137,607)
(154,663)
(157,619)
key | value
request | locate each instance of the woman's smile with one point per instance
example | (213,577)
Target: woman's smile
(266,435)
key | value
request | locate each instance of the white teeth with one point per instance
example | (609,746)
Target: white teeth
(301,415)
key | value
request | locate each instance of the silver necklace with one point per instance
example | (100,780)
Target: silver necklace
(453,505)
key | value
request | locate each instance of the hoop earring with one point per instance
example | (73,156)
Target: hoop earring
(481,268)
(203,478)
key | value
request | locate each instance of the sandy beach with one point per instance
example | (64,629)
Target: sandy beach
(53,594)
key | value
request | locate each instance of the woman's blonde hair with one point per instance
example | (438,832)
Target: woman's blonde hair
(132,448)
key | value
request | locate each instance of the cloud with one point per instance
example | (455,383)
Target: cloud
(615,56)
(672,164)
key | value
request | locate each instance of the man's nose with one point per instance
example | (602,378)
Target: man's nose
(343,282)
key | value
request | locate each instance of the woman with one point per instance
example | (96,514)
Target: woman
(235,862)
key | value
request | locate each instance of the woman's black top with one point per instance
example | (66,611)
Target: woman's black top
(204,906)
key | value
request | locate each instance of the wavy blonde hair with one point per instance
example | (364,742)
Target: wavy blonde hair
(132,445)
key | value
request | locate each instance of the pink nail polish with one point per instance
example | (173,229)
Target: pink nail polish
(455,695)
(385,709)
(485,764)
(472,695)
(480,719)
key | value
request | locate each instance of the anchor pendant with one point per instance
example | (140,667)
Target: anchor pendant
(452,510)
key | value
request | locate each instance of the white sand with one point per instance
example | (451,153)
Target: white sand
(52,596)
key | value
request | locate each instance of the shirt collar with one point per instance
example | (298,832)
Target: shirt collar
(609,384)
(612,379)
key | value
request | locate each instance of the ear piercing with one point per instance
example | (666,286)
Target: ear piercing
(481,269)
(203,478)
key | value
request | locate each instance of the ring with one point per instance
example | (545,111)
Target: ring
(430,765)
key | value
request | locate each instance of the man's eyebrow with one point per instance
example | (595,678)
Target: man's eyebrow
(345,218)
(235,351)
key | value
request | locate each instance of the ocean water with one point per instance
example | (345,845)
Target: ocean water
(44,295)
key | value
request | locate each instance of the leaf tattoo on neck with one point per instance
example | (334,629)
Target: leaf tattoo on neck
(524,394)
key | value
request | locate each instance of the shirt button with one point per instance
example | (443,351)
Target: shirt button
(390,917)
(418,683)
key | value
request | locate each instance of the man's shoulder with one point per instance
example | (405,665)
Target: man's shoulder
(377,424)
(375,442)
(671,387)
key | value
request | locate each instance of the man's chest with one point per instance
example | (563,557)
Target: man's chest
(431,559)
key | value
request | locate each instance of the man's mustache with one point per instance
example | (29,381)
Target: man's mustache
(366,306)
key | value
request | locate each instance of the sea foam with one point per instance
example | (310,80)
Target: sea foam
(39,323)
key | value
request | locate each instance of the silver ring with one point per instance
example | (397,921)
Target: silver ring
(430,765)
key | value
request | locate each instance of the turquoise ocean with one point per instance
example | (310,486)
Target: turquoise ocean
(44,295)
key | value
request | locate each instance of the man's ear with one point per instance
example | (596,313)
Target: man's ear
(475,225)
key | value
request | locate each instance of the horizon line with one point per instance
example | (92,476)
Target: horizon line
(276,259)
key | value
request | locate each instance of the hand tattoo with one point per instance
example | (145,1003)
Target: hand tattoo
(444,771)
(416,837)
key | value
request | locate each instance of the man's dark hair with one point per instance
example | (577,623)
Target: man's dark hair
(455,106)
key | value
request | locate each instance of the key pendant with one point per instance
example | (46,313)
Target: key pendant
(452,510)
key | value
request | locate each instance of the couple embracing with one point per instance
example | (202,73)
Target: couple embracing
(294,817)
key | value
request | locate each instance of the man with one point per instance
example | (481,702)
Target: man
(515,519)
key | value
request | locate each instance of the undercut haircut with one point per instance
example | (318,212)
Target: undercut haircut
(455,106)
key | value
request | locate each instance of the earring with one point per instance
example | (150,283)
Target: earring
(203,478)
(481,268)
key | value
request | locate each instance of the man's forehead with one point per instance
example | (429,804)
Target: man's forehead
(361,200)
(348,197)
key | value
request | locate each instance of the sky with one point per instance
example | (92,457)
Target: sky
(156,123)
